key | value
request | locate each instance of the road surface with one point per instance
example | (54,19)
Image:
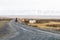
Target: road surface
(24,32)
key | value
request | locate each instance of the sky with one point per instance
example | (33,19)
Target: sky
(30,7)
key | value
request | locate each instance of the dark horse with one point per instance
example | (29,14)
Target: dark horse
(16,20)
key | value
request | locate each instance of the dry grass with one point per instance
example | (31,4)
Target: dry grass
(43,25)
(2,23)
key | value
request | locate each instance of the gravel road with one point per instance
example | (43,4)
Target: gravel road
(24,32)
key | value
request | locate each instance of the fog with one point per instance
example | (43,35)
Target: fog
(30,7)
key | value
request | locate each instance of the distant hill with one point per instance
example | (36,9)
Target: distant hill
(30,16)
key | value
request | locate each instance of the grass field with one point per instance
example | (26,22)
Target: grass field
(55,25)
(2,23)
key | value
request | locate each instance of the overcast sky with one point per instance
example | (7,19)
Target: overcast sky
(30,7)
